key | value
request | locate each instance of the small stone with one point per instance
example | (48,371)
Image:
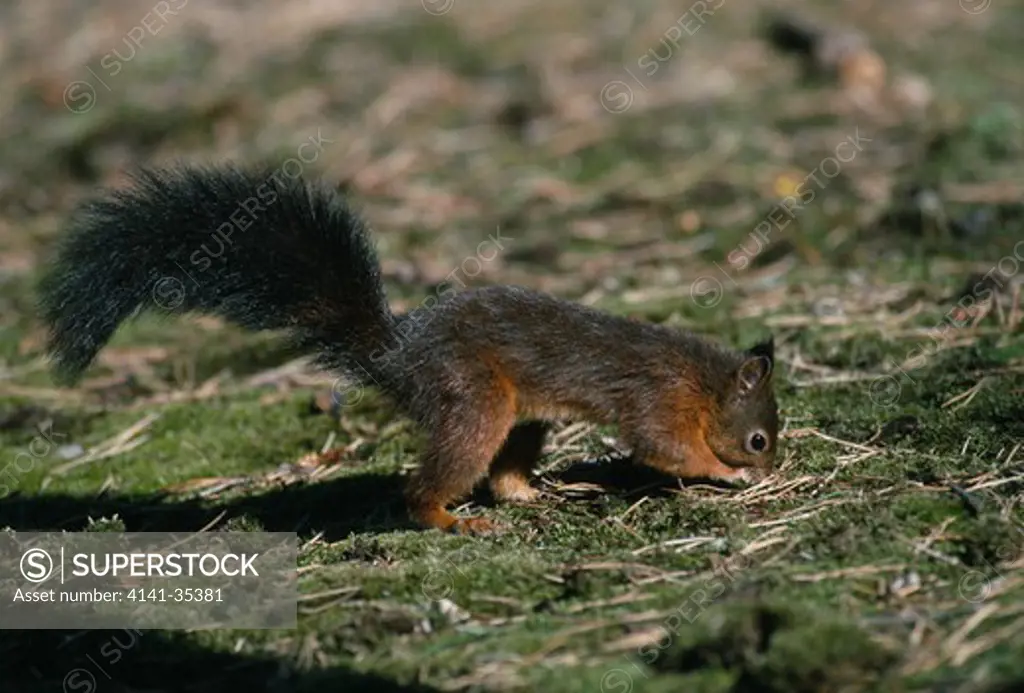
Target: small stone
(70,452)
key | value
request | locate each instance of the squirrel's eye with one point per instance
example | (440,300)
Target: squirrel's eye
(757,442)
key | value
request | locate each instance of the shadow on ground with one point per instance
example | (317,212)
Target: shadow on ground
(337,507)
(130,660)
(357,503)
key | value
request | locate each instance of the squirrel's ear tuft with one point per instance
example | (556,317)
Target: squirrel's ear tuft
(765,348)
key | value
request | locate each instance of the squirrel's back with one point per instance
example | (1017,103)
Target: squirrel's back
(565,355)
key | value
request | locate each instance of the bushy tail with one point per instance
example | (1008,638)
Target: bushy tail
(256,248)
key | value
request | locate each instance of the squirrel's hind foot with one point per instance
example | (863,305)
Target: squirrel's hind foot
(476,526)
(439,518)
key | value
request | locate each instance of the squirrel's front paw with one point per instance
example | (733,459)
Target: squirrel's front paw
(513,489)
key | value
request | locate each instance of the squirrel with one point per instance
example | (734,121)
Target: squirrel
(484,372)
(829,52)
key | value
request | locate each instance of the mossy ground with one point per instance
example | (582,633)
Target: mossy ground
(885,554)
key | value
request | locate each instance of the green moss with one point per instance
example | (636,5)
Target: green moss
(906,483)
(780,648)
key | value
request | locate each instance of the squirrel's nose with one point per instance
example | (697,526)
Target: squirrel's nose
(755,475)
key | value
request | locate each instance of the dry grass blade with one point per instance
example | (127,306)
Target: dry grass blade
(841,573)
(123,442)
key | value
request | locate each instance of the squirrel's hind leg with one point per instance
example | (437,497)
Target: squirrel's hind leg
(467,438)
(510,471)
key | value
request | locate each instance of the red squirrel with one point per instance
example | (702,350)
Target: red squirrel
(482,372)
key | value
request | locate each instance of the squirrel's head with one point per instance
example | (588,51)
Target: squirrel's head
(743,435)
